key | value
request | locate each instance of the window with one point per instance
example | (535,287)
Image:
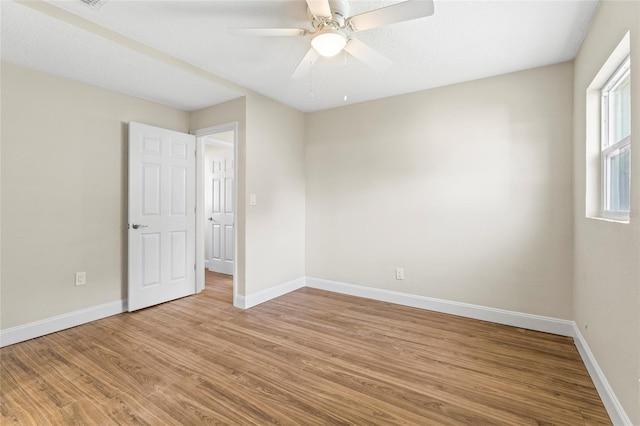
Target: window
(615,153)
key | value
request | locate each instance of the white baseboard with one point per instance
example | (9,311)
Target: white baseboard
(609,399)
(39,328)
(500,316)
(246,302)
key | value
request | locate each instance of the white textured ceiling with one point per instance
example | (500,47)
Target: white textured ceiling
(463,40)
(38,41)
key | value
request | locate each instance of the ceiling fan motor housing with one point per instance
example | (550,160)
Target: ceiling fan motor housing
(339,11)
(338,18)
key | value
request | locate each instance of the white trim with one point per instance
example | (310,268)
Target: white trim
(232,125)
(619,54)
(246,302)
(500,316)
(39,328)
(609,399)
(217,142)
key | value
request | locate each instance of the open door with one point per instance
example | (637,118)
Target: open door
(221,214)
(161,215)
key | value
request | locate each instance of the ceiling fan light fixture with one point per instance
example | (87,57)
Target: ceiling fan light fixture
(329,42)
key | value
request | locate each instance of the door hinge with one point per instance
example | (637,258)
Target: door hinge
(194,266)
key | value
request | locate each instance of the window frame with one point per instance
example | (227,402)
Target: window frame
(608,150)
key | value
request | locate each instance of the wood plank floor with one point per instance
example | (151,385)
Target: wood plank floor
(307,358)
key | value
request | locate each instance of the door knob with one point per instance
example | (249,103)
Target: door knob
(137,225)
(212,220)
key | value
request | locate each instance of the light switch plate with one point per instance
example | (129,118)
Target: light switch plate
(81,278)
(399,273)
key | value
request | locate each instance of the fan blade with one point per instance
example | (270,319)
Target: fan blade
(399,12)
(319,8)
(306,63)
(367,55)
(268,32)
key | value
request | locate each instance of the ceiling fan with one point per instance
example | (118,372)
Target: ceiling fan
(333,29)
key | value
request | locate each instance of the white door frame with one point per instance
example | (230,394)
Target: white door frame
(201,215)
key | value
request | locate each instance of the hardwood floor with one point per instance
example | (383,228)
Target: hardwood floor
(310,358)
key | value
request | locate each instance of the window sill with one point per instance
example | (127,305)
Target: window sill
(624,221)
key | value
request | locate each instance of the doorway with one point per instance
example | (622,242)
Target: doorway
(216,230)
(218,202)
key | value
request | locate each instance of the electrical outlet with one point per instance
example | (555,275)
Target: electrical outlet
(81,278)
(399,273)
(253,199)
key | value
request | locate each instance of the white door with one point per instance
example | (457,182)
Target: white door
(221,220)
(161,215)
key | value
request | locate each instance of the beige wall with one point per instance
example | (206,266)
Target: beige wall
(467,187)
(275,247)
(607,254)
(270,165)
(64,192)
